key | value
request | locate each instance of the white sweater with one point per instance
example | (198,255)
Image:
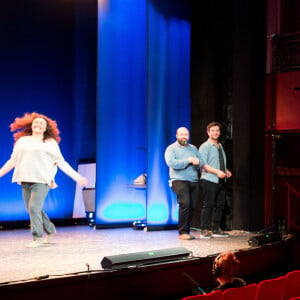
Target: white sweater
(37,161)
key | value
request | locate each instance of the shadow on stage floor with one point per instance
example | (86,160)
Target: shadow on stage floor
(71,265)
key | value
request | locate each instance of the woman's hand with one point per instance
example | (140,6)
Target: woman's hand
(82,181)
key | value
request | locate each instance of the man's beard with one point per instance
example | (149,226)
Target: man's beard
(182,142)
(215,138)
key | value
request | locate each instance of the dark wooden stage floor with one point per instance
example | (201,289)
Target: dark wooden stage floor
(77,251)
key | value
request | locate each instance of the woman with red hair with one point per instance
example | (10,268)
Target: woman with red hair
(35,158)
(225,268)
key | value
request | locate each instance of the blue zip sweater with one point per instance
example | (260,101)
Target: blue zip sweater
(176,157)
(210,154)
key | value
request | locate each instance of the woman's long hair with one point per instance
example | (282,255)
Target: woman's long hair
(22,127)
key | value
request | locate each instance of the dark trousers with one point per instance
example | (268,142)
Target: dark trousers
(214,197)
(187,196)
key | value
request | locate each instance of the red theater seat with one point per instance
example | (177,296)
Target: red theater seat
(217,295)
(292,285)
(271,289)
(247,292)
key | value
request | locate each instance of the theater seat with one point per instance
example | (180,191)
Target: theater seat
(247,292)
(217,295)
(271,289)
(292,285)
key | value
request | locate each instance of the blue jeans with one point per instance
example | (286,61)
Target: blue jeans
(214,196)
(187,196)
(34,195)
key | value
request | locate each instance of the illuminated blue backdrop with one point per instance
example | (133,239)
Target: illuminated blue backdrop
(168,102)
(121,113)
(46,67)
(48,64)
(143,96)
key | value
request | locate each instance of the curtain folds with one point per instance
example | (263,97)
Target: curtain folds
(143,96)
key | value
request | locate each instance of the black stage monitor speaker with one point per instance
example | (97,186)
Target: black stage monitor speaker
(144,258)
(263,239)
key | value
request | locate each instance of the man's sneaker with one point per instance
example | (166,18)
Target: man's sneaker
(195,229)
(37,242)
(186,236)
(205,234)
(220,233)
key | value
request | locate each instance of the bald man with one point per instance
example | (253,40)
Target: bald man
(184,162)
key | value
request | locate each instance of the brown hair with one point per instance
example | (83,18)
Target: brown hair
(22,126)
(212,124)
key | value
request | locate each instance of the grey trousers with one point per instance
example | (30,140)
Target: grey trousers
(34,195)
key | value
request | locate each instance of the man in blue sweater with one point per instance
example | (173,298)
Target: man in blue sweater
(213,178)
(184,161)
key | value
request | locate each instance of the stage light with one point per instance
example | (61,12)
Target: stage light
(139,225)
(90,216)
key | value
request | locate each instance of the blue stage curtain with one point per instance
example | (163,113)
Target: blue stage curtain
(121,110)
(85,91)
(168,99)
(37,74)
(143,96)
